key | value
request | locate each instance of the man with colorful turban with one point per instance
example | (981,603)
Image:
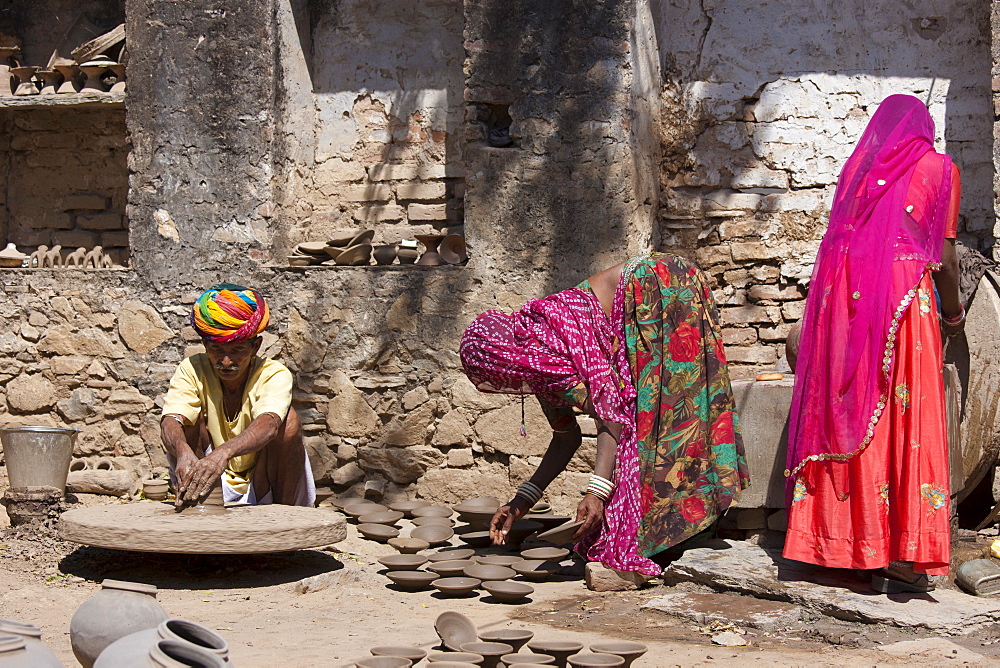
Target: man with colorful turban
(228,412)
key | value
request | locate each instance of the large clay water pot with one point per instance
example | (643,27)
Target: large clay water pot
(134,648)
(118,610)
(174,654)
(21,645)
(38,456)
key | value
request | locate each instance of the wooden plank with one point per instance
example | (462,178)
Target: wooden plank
(98,45)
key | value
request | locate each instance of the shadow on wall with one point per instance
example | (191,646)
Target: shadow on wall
(770,98)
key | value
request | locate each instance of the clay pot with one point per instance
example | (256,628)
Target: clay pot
(490,651)
(363,508)
(629,651)
(174,654)
(118,610)
(355,256)
(475,516)
(119,85)
(453,249)
(455,586)
(508,592)
(561,649)
(126,651)
(50,80)
(561,534)
(402,562)
(348,238)
(536,569)
(155,490)
(547,521)
(414,654)
(384,254)
(462,657)
(407,255)
(383,662)
(540,507)
(516,638)
(476,538)
(521,530)
(450,568)
(432,511)
(447,555)
(407,507)
(93,70)
(546,553)
(489,572)
(70,81)
(587,660)
(11,257)
(430,258)
(792,345)
(21,645)
(499,560)
(440,521)
(409,545)
(387,517)
(455,629)
(5,77)
(412,580)
(433,534)
(25,80)
(530,658)
(378,532)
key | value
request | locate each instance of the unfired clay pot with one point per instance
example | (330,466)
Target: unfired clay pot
(50,80)
(21,645)
(25,80)
(155,490)
(118,610)
(132,648)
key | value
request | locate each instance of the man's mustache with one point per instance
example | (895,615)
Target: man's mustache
(227,369)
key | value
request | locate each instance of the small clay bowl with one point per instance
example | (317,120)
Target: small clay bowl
(356,510)
(498,560)
(402,562)
(414,654)
(587,660)
(626,649)
(491,651)
(529,658)
(439,521)
(453,249)
(433,534)
(489,572)
(312,247)
(407,507)
(383,662)
(450,568)
(476,538)
(557,648)
(432,511)
(388,517)
(546,553)
(455,586)
(516,638)
(476,516)
(447,555)
(412,580)
(483,506)
(561,534)
(508,592)
(342,503)
(409,545)
(462,657)
(454,629)
(547,521)
(540,507)
(378,532)
(536,569)
(455,664)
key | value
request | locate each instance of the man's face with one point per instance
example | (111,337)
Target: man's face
(231,361)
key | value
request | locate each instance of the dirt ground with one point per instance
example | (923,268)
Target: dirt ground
(252,602)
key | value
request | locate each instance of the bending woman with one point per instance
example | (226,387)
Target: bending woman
(868,443)
(637,347)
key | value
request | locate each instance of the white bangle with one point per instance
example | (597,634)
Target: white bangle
(176,417)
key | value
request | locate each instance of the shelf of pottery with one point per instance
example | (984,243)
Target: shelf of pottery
(355,249)
(54,258)
(96,72)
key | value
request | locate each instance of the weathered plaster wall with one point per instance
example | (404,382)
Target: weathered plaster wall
(762,104)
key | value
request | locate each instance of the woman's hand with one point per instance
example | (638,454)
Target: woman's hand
(591,513)
(505,517)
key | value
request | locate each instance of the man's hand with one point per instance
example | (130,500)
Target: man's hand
(202,475)
(505,517)
(591,513)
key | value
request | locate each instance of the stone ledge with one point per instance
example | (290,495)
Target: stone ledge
(62,100)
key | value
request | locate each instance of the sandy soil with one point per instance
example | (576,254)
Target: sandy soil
(252,602)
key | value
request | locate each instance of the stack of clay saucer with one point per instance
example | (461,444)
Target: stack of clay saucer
(351,248)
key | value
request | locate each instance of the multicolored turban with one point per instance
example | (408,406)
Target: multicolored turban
(226,313)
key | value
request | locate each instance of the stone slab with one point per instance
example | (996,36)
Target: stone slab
(933,650)
(155,527)
(749,569)
(743,611)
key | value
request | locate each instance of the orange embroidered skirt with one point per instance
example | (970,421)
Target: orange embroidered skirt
(891,501)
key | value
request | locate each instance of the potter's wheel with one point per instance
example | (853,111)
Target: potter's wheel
(155,527)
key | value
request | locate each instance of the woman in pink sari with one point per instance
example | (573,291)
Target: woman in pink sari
(867,448)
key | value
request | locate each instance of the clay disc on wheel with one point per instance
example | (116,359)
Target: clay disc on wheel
(155,527)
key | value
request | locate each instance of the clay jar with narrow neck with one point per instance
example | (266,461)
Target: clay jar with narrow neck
(118,610)
(131,649)
(21,645)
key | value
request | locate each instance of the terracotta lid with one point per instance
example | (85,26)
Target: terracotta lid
(129,586)
(12,253)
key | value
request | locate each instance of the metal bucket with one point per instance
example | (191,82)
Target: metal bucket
(38,456)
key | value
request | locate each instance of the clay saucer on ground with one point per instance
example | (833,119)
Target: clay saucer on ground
(447,555)
(547,521)
(379,532)
(414,654)
(363,508)
(402,562)
(344,502)
(521,530)
(508,591)
(412,580)
(407,507)
(462,657)
(450,568)
(388,517)
(383,662)
(516,638)
(453,249)
(480,505)
(490,572)
(498,560)
(540,507)
(546,553)
(482,516)
(626,649)
(529,658)
(491,651)
(432,511)
(433,534)
(455,664)
(409,545)
(455,629)
(536,569)
(454,586)
(561,534)
(557,648)
(587,660)
(476,538)
(433,519)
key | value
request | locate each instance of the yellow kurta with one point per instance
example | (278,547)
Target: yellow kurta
(195,390)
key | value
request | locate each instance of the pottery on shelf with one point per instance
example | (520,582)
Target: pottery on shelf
(407,254)
(453,249)
(349,238)
(407,507)
(5,61)
(561,649)
(536,569)
(119,71)
(402,562)
(414,654)
(431,257)
(432,511)
(628,650)
(462,657)
(433,534)
(490,651)
(354,256)
(25,80)
(93,70)
(118,610)
(128,650)
(588,660)
(10,257)
(451,554)
(412,580)
(50,81)
(378,532)
(450,567)
(516,638)
(21,645)
(70,78)
(155,489)
(455,629)
(408,545)
(455,586)
(384,254)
